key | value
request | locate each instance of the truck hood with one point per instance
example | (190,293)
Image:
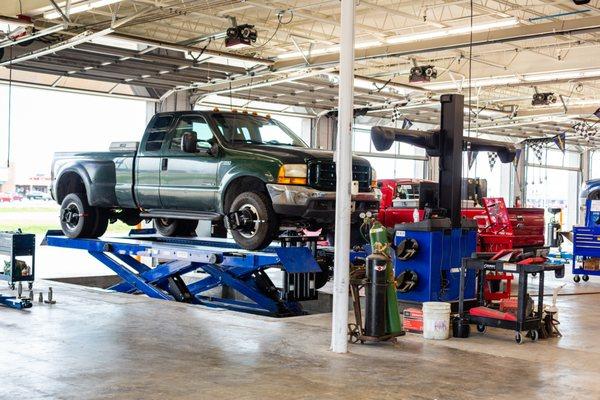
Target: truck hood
(293,155)
(589,187)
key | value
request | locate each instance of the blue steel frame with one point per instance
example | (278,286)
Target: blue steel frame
(224,265)
(13,302)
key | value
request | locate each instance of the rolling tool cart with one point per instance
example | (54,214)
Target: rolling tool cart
(17,251)
(519,317)
(586,244)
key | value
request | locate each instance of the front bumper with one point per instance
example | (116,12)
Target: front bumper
(313,204)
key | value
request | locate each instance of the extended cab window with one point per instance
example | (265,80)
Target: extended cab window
(194,123)
(157,131)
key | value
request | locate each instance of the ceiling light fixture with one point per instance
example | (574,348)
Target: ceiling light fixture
(80,7)
(514,79)
(327,50)
(503,23)
(408,38)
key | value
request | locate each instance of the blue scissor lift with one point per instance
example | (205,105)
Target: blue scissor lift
(223,262)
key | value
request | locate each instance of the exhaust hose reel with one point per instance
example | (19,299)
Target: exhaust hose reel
(406,281)
(407,249)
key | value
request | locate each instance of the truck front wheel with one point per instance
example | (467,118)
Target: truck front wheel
(80,220)
(263,225)
(175,227)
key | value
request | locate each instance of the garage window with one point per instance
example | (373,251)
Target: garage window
(595,164)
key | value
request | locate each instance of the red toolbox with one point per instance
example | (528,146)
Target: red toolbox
(412,320)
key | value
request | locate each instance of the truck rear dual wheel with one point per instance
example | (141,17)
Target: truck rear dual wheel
(80,220)
(265,226)
(175,227)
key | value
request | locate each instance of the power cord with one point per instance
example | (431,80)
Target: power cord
(9,131)
(279,24)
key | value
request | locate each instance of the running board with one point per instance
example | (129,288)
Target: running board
(174,214)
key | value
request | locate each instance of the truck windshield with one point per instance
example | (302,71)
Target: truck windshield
(256,129)
(408,191)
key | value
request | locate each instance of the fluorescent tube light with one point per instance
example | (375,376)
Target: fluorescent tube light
(80,7)
(477,82)
(328,50)
(560,75)
(453,31)
(411,37)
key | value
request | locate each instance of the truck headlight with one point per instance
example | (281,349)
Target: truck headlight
(293,174)
(373,178)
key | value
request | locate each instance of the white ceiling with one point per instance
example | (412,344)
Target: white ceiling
(518,47)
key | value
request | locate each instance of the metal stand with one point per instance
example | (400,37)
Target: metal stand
(356,332)
(17,246)
(224,264)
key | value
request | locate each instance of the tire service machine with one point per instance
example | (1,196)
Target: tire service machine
(429,252)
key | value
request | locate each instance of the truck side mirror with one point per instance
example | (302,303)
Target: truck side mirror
(189,142)
(213,150)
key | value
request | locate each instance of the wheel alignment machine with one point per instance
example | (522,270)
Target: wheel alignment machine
(224,263)
(444,238)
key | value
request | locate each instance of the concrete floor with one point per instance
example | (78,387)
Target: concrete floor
(98,345)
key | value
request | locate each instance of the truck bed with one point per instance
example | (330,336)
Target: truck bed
(110,174)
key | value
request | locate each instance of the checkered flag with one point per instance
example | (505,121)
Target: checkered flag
(537,150)
(396,114)
(492,157)
(585,131)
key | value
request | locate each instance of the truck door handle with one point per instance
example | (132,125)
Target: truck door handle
(164,164)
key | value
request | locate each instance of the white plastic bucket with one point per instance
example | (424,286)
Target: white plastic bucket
(436,320)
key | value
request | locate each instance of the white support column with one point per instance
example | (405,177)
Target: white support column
(586,159)
(520,179)
(150,110)
(339,339)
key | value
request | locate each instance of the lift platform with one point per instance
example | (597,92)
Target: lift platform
(220,263)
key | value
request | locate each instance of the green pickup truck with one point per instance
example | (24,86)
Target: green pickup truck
(245,172)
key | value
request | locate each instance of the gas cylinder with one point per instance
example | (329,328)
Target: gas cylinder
(376,295)
(380,245)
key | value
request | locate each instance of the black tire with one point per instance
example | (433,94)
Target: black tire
(101,222)
(519,338)
(576,278)
(266,226)
(534,335)
(585,278)
(77,218)
(175,227)
(218,229)
(481,328)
